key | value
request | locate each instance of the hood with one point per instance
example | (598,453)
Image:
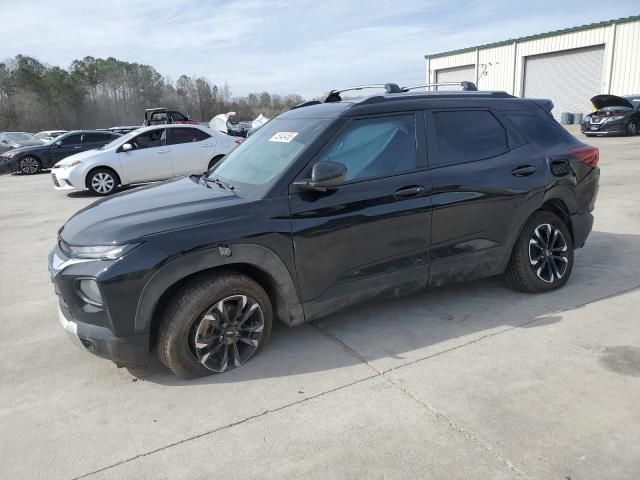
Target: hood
(78,156)
(129,216)
(28,143)
(37,146)
(602,101)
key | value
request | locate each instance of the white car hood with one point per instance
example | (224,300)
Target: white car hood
(79,156)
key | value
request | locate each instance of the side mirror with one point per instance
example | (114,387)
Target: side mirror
(324,176)
(58,143)
(126,147)
(5,141)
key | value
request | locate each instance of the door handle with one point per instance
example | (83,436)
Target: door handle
(76,147)
(523,171)
(160,152)
(408,192)
(209,145)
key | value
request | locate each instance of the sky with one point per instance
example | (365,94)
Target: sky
(304,47)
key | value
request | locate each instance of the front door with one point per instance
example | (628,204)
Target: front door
(370,235)
(65,146)
(149,159)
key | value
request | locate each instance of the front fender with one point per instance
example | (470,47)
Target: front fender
(288,307)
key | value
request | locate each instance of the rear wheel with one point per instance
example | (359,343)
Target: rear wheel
(632,128)
(102,181)
(542,258)
(214,324)
(29,165)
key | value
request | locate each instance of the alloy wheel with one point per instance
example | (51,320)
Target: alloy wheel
(632,128)
(102,182)
(548,253)
(228,334)
(29,165)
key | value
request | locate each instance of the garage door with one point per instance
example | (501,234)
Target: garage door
(457,74)
(569,78)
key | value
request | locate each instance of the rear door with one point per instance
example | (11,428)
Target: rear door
(371,234)
(149,159)
(191,150)
(483,173)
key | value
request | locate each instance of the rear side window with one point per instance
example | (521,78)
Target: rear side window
(467,135)
(545,133)
(187,135)
(96,137)
(375,147)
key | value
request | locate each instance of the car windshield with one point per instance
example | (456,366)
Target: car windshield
(635,100)
(258,162)
(118,140)
(19,136)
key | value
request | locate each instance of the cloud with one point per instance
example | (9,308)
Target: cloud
(307,47)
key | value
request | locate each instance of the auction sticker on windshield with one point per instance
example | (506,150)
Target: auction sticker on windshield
(283,137)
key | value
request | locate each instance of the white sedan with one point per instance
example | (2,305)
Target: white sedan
(144,155)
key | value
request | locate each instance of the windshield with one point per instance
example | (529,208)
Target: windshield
(19,136)
(635,101)
(119,140)
(264,156)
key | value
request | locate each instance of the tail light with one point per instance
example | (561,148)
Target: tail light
(588,154)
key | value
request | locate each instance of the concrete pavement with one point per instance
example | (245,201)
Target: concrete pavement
(467,381)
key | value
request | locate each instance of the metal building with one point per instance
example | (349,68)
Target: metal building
(568,66)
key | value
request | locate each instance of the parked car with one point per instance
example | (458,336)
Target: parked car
(163,116)
(613,116)
(324,206)
(145,155)
(13,140)
(47,135)
(30,160)
(124,129)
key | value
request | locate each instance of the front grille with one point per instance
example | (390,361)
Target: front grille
(596,120)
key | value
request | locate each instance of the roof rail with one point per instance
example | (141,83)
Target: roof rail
(306,104)
(334,95)
(466,86)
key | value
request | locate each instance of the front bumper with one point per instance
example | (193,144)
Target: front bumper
(64,179)
(109,330)
(605,128)
(8,165)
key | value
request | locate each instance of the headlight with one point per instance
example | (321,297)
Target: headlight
(614,118)
(9,154)
(100,252)
(72,164)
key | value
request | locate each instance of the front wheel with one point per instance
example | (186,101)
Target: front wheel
(102,181)
(542,258)
(29,165)
(214,324)
(632,128)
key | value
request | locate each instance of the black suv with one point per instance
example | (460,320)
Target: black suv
(326,205)
(31,160)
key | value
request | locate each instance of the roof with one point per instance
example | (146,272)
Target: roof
(536,36)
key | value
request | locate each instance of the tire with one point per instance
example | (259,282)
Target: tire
(632,128)
(195,336)
(29,165)
(535,267)
(213,161)
(103,181)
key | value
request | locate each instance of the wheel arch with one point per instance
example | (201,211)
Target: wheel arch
(103,167)
(559,200)
(255,261)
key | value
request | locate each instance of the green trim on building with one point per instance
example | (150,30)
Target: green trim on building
(535,37)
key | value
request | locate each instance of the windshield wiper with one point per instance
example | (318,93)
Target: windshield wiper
(220,183)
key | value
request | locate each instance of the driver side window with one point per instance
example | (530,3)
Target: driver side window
(150,139)
(375,147)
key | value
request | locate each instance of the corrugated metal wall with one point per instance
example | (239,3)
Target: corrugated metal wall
(456,74)
(625,74)
(620,66)
(569,78)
